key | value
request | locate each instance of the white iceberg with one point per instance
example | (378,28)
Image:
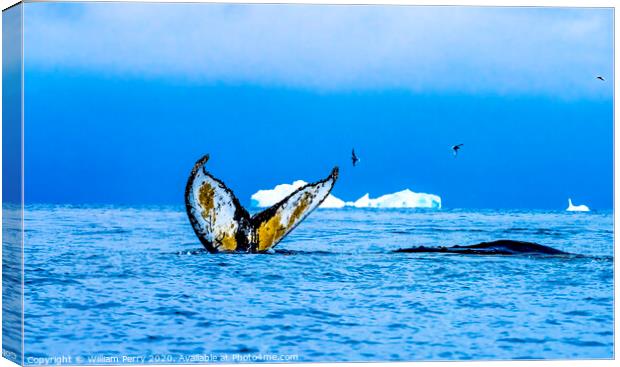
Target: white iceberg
(401,199)
(576,208)
(332,202)
(267,198)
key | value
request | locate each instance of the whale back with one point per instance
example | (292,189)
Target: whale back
(498,247)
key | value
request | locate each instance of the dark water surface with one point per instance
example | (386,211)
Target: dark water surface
(133,282)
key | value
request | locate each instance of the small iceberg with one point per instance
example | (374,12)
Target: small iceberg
(267,198)
(576,208)
(332,202)
(401,199)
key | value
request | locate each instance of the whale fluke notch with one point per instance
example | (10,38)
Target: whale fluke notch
(223,225)
(499,247)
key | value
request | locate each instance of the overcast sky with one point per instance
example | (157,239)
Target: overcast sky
(462,49)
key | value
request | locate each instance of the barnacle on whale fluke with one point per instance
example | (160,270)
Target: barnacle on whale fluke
(223,225)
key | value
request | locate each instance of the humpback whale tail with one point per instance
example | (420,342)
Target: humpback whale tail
(223,225)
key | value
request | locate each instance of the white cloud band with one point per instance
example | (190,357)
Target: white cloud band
(435,49)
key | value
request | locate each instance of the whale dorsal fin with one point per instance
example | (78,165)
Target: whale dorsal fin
(272,224)
(223,225)
(219,220)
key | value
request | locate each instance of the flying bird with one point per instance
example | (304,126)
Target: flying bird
(456,148)
(354,158)
(600,78)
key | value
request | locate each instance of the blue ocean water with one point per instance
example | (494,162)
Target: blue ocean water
(117,284)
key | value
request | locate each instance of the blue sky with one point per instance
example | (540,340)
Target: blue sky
(121,99)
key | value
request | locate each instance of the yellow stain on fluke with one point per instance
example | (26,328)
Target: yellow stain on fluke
(272,231)
(206,198)
(269,231)
(300,209)
(222,224)
(229,243)
(206,194)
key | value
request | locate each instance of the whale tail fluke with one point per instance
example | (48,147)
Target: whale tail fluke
(272,224)
(217,217)
(223,225)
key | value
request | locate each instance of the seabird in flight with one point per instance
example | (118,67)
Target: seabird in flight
(354,158)
(456,149)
